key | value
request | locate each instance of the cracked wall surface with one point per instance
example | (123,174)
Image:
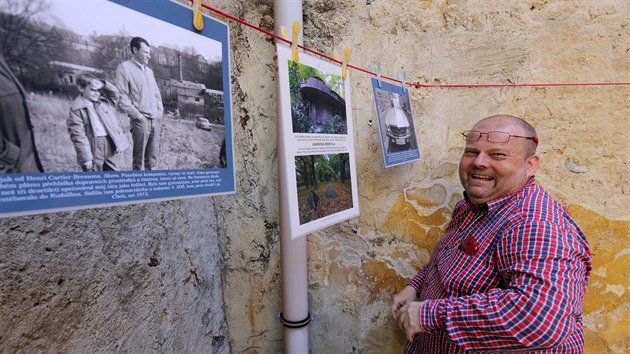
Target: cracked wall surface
(356,268)
(139,278)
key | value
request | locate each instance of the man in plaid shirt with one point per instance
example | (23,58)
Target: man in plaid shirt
(511,270)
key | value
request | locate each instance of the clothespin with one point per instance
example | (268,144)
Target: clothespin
(197,18)
(344,62)
(294,43)
(402,82)
(285,33)
(378,74)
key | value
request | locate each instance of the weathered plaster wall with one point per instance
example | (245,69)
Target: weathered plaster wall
(356,268)
(136,279)
(78,280)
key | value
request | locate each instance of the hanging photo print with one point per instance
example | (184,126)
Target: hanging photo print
(318,172)
(112,103)
(395,121)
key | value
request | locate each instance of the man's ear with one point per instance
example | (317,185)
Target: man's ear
(532,164)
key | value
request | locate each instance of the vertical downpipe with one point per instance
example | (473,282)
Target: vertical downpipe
(295,315)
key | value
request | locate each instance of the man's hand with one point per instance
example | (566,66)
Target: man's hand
(407,295)
(409,319)
(87,166)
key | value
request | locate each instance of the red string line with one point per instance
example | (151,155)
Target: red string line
(414,84)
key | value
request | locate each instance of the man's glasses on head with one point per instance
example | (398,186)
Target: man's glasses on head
(495,136)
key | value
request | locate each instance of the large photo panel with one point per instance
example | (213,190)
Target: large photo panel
(110,103)
(317,157)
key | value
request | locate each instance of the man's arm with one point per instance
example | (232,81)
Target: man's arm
(158,97)
(124,99)
(153,92)
(110,93)
(408,294)
(418,281)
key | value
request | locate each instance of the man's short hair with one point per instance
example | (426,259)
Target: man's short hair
(525,125)
(136,42)
(529,129)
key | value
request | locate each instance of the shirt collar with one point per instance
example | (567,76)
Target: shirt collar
(81,102)
(139,64)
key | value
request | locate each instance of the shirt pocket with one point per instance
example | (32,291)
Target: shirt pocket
(463,274)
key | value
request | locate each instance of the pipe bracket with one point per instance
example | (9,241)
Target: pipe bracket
(295,324)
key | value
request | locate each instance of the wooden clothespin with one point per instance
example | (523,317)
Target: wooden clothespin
(294,42)
(344,62)
(197,17)
(285,33)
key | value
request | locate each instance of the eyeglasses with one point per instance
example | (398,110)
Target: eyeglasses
(495,136)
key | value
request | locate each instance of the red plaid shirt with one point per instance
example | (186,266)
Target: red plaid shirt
(521,290)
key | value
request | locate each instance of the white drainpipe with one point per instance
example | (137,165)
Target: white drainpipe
(295,315)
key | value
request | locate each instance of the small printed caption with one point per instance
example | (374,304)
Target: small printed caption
(117,185)
(317,145)
(402,156)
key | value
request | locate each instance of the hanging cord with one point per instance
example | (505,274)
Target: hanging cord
(414,84)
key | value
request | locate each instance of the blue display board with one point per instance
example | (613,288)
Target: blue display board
(192,71)
(395,118)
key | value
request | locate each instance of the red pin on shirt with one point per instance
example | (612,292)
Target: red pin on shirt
(469,246)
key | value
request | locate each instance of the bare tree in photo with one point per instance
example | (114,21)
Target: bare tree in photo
(26,43)
(46,52)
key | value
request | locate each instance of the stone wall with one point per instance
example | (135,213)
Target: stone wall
(357,266)
(203,275)
(138,279)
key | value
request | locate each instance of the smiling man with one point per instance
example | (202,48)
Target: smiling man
(511,270)
(499,158)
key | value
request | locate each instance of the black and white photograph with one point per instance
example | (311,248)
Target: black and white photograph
(395,118)
(159,100)
(101,86)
